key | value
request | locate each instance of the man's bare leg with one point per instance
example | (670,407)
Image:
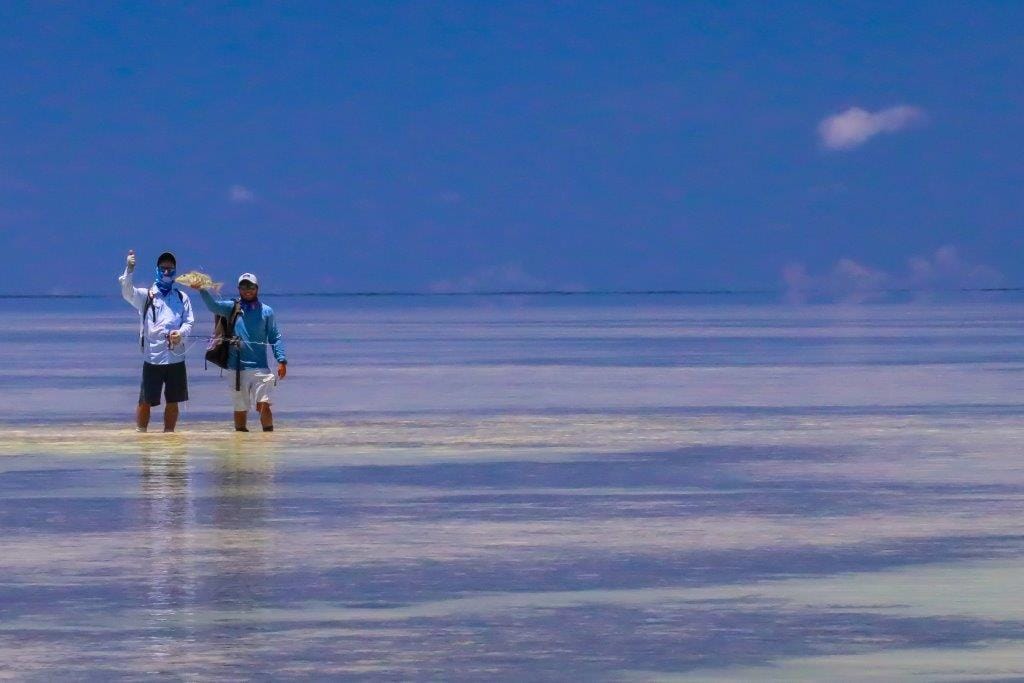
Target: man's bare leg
(170,417)
(266,416)
(240,421)
(142,416)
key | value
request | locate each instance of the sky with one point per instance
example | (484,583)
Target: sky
(453,146)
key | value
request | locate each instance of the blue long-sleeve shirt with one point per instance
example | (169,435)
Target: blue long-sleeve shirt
(255,327)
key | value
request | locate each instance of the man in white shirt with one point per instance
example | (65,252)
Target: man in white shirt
(166,321)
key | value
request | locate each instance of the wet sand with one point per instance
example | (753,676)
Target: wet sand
(602,545)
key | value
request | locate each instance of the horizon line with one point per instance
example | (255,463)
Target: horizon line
(551,292)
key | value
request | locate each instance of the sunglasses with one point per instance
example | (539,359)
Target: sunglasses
(247,285)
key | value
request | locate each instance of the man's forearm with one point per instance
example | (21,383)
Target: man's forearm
(214,306)
(127,286)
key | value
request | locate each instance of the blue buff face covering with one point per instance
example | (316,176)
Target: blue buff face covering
(164,282)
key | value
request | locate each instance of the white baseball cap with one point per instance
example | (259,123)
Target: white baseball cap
(248,277)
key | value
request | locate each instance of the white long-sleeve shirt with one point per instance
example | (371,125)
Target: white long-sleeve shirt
(165,314)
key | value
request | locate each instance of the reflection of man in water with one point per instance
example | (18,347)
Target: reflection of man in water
(206,537)
(168,513)
(242,478)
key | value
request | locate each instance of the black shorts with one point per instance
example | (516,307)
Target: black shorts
(171,377)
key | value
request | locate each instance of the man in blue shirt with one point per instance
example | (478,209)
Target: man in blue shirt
(166,321)
(255,330)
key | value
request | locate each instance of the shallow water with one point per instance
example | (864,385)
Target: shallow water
(524,492)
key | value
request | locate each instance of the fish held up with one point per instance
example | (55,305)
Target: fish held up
(197,280)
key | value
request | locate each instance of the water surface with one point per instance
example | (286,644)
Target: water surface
(520,491)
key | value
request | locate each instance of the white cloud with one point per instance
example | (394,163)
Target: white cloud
(848,281)
(940,273)
(946,270)
(508,277)
(799,283)
(239,194)
(854,282)
(853,127)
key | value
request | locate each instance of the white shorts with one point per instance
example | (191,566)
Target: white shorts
(256,386)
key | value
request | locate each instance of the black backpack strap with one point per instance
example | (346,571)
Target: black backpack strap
(235,312)
(145,309)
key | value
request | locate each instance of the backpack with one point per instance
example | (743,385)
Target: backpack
(223,338)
